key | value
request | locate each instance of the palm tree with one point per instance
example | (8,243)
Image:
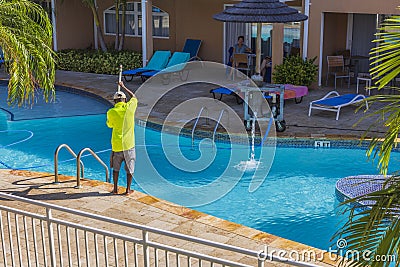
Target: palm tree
(92,5)
(26,39)
(116,4)
(376,230)
(123,20)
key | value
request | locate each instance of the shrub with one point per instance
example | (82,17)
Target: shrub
(297,71)
(95,61)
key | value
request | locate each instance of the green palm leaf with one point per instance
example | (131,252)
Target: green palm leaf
(374,231)
(377,229)
(26,38)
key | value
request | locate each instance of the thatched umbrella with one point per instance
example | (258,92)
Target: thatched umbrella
(259,11)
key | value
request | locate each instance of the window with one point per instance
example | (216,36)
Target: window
(291,38)
(133,22)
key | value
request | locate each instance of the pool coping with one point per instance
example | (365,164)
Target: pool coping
(282,140)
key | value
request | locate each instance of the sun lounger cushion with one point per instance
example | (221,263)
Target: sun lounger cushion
(225,91)
(192,47)
(298,89)
(157,62)
(334,102)
(176,63)
(295,91)
(338,100)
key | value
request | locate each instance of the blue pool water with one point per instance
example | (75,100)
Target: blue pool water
(295,201)
(63,105)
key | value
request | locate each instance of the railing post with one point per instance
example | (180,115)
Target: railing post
(56,165)
(78,171)
(146,258)
(51,237)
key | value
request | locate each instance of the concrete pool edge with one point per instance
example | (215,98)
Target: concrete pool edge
(172,125)
(222,229)
(282,139)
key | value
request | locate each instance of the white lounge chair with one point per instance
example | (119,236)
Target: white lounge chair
(334,102)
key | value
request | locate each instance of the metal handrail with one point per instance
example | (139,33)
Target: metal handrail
(197,120)
(56,161)
(218,121)
(78,159)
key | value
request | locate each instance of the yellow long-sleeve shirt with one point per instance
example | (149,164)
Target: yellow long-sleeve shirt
(121,118)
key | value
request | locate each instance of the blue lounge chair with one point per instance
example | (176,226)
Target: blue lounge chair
(157,62)
(176,64)
(334,102)
(225,91)
(192,46)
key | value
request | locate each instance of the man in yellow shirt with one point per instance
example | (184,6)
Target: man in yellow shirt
(121,118)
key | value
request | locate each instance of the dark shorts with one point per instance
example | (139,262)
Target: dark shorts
(127,156)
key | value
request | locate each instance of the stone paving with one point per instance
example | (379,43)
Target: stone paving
(299,124)
(94,196)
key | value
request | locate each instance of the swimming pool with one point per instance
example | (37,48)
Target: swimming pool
(295,201)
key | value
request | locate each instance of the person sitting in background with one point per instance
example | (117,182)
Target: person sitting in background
(241,47)
(265,68)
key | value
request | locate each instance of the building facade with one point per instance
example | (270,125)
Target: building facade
(333,25)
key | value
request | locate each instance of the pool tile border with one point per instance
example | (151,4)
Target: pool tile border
(289,142)
(344,142)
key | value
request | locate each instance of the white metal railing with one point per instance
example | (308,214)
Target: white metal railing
(197,120)
(69,149)
(48,235)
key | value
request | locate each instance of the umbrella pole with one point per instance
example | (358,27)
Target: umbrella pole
(258,48)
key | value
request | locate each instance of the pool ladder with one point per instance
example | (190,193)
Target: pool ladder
(218,122)
(197,120)
(80,168)
(216,125)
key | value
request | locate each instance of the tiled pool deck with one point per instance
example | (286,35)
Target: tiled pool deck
(94,196)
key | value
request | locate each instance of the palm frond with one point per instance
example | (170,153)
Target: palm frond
(26,41)
(384,57)
(376,228)
(387,118)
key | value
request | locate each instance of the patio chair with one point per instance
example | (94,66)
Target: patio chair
(337,69)
(334,102)
(346,57)
(176,64)
(240,62)
(158,61)
(192,46)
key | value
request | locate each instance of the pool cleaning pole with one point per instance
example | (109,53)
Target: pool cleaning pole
(120,78)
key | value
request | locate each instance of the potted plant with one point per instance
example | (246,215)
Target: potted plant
(296,70)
